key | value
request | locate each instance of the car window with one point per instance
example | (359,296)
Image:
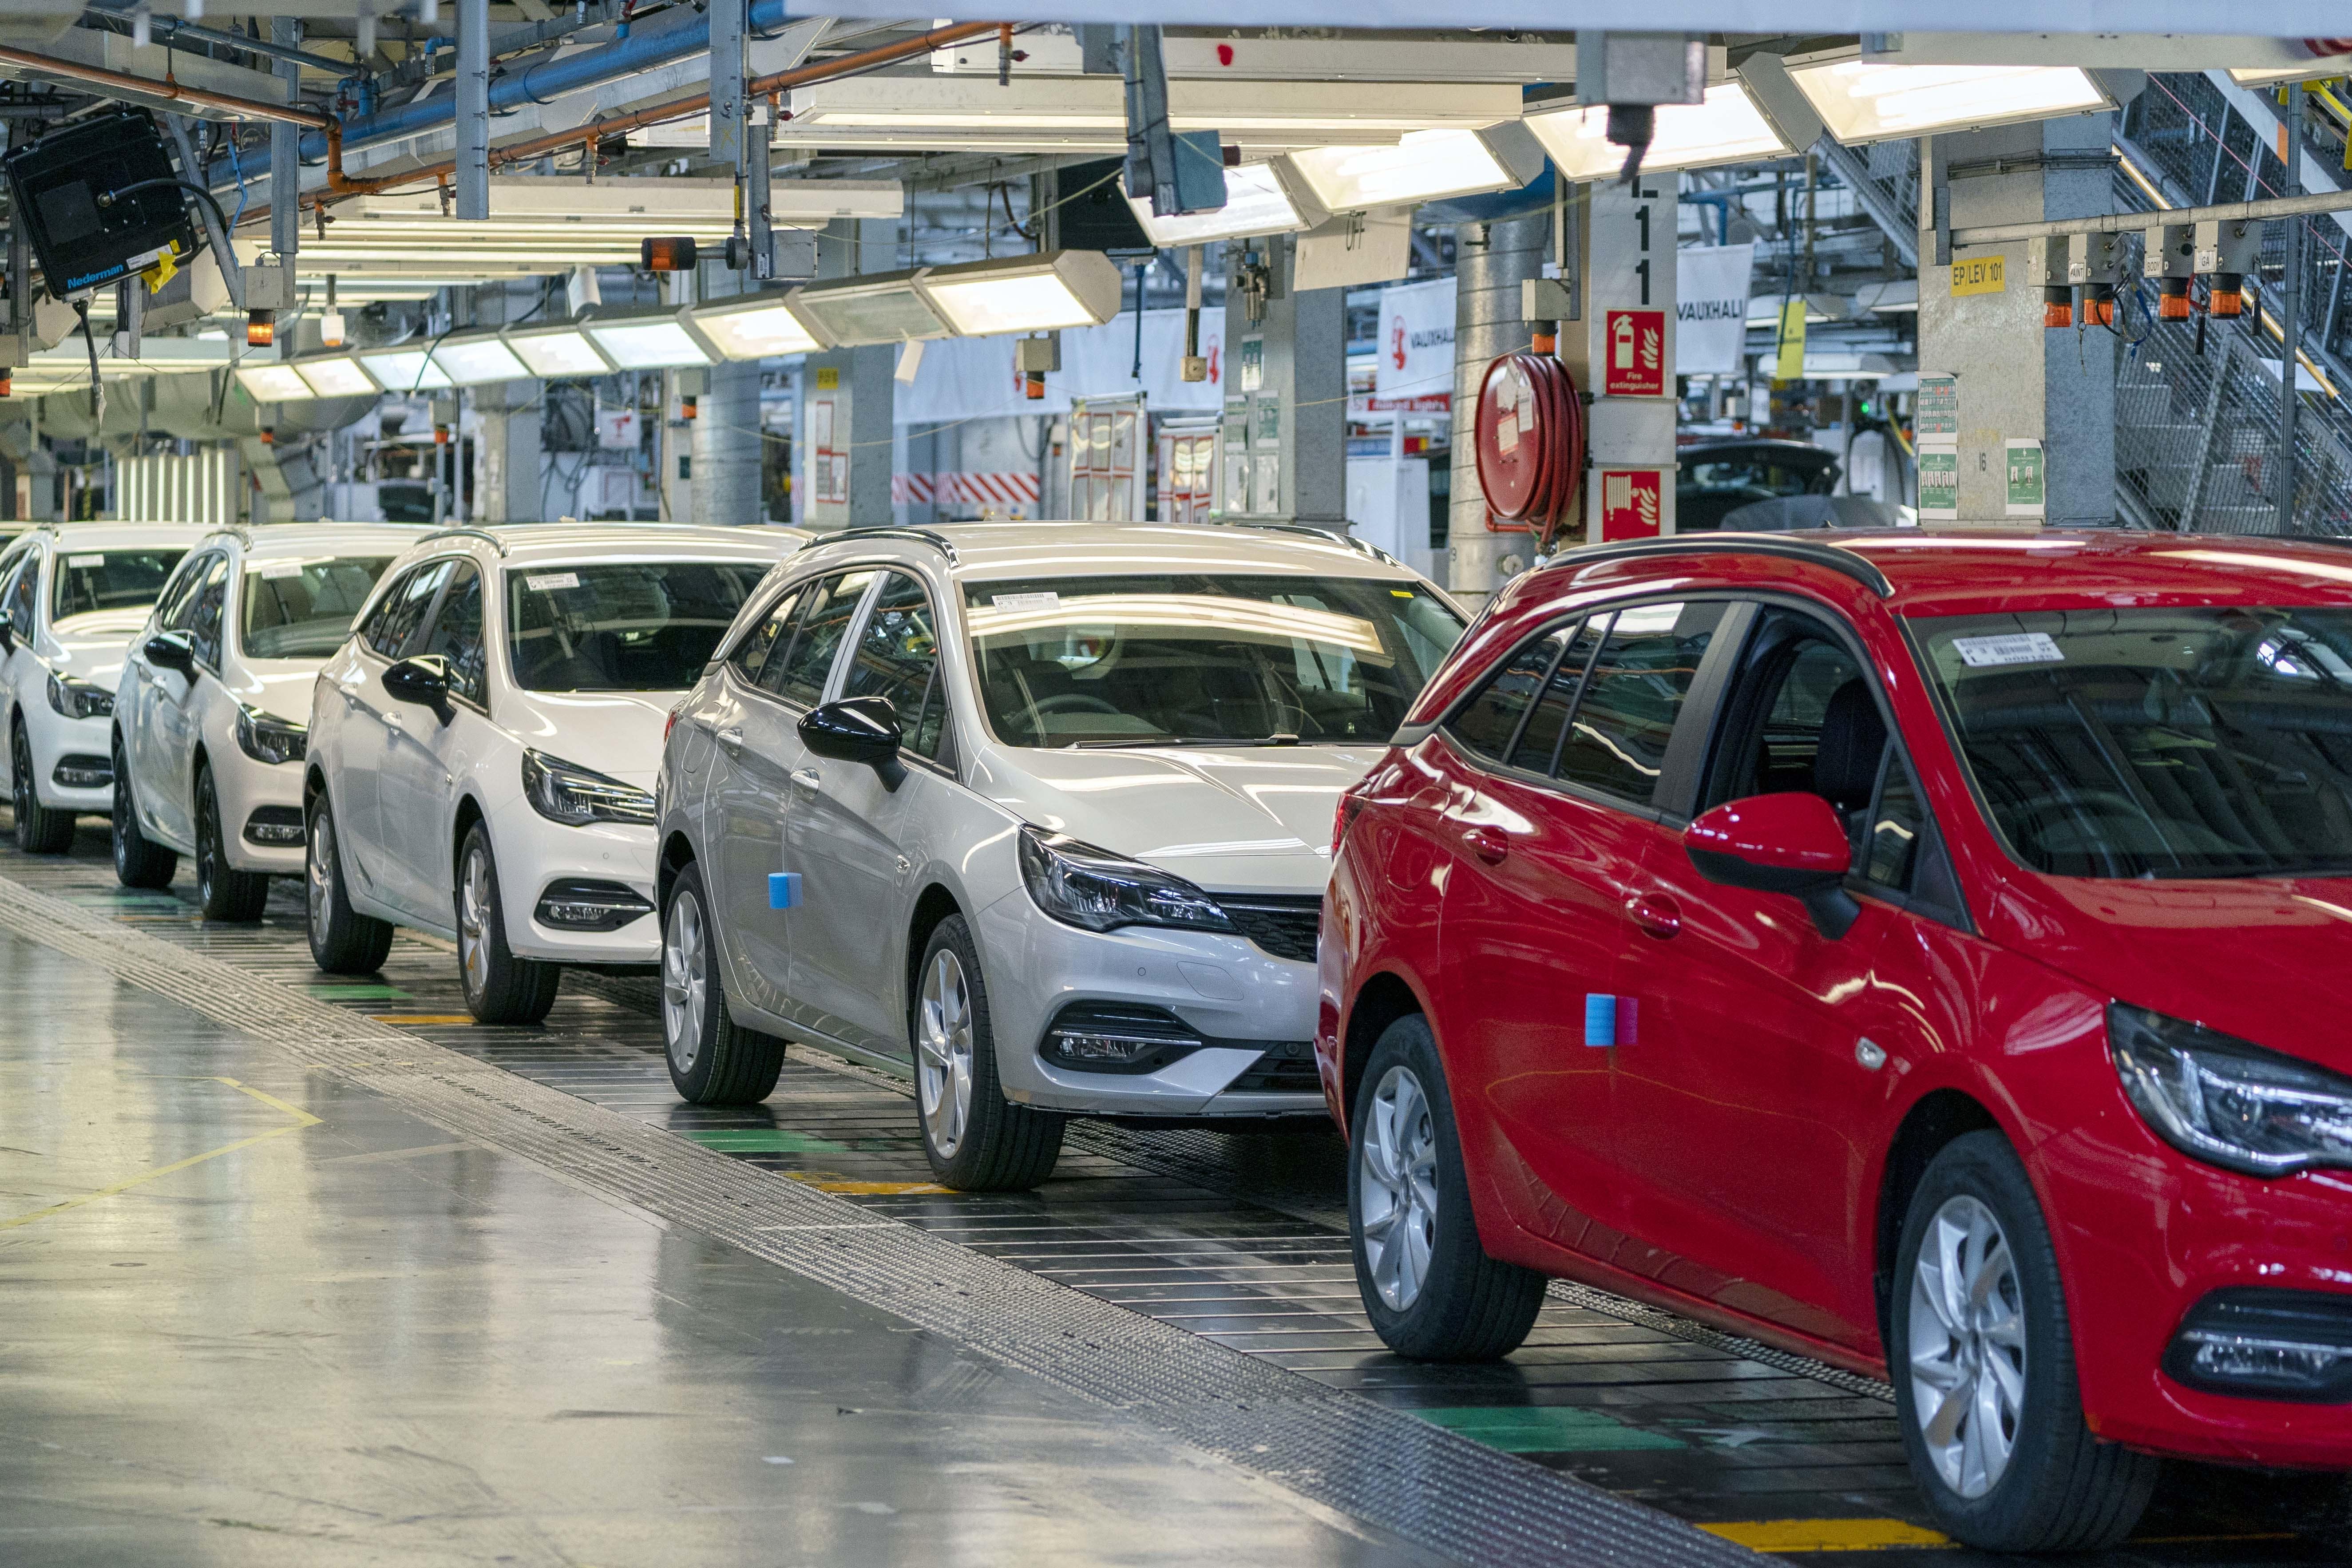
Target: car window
(1539,744)
(396,620)
(621,626)
(1626,714)
(11,569)
(897,658)
(179,599)
(1486,723)
(799,674)
(374,633)
(22,591)
(1798,687)
(204,618)
(457,635)
(752,651)
(301,609)
(1898,822)
(88,581)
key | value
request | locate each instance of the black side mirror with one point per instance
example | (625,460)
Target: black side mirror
(857,730)
(7,631)
(424,680)
(170,650)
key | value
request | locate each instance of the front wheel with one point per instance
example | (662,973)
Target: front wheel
(342,940)
(139,860)
(223,892)
(1984,1368)
(977,1141)
(1427,1284)
(499,987)
(40,830)
(713,1059)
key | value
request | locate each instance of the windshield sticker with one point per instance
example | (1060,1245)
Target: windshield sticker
(1025,601)
(2008,648)
(277,571)
(549,581)
(85,560)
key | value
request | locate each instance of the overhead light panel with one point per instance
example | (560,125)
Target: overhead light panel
(885,308)
(1026,293)
(557,352)
(471,360)
(1725,127)
(763,326)
(272,381)
(1257,202)
(337,376)
(1422,166)
(404,371)
(1872,101)
(647,343)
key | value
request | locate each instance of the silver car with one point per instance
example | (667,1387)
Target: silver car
(1041,811)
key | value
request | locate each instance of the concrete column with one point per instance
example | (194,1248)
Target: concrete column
(285,152)
(1288,375)
(507,487)
(1490,262)
(2017,381)
(725,487)
(846,400)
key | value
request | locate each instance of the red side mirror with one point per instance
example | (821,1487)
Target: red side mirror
(1793,844)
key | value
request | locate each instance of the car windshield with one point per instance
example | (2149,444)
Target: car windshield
(1184,658)
(89,580)
(303,609)
(2158,743)
(647,626)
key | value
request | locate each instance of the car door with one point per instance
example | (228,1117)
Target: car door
(171,726)
(845,834)
(1532,943)
(420,756)
(373,721)
(17,597)
(1744,1112)
(147,690)
(760,752)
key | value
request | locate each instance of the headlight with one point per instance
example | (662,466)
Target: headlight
(564,792)
(2236,1105)
(1080,885)
(266,738)
(79,698)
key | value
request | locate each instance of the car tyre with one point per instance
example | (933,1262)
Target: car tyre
(976,1140)
(1427,1283)
(139,860)
(40,830)
(223,892)
(713,1059)
(1983,1364)
(342,940)
(499,987)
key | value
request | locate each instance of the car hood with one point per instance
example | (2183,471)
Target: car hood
(282,687)
(1251,819)
(94,646)
(614,733)
(2268,961)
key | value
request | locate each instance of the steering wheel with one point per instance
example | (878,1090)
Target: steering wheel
(1074,702)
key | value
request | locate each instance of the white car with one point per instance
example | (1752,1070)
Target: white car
(211,711)
(1041,811)
(482,752)
(71,598)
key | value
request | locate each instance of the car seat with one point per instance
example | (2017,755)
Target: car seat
(1853,739)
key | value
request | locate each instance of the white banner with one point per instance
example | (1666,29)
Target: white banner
(1415,357)
(1711,313)
(1776,18)
(974,378)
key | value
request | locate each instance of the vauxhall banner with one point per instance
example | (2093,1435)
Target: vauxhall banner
(1415,360)
(1711,313)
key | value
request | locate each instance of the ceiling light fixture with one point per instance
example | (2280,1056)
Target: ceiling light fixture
(648,342)
(557,352)
(1257,202)
(1424,165)
(1869,101)
(1024,293)
(403,371)
(887,308)
(1726,128)
(762,326)
(337,375)
(273,381)
(471,360)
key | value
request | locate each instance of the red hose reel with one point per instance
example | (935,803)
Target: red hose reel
(1531,443)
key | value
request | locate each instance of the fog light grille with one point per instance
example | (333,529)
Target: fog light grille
(83,770)
(2262,1343)
(278,827)
(1093,1036)
(578,904)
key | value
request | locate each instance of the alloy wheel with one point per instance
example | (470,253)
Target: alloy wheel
(125,819)
(207,842)
(319,874)
(686,982)
(20,768)
(475,912)
(1967,1346)
(1397,1190)
(944,1052)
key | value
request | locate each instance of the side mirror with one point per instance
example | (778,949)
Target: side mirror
(424,680)
(1792,843)
(857,730)
(7,633)
(170,650)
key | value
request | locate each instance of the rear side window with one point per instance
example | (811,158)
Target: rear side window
(1616,742)
(22,591)
(1898,824)
(456,636)
(1486,723)
(180,594)
(798,676)
(897,658)
(1539,744)
(204,620)
(396,619)
(753,650)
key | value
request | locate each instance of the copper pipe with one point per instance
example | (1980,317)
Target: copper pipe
(123,81)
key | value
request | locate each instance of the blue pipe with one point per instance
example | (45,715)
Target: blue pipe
(671,36)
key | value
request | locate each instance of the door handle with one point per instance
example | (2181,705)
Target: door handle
(1489,844)
(1656,914)
(807,779)
(732,740)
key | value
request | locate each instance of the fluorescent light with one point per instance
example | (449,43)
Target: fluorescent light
(471,360)
(1255,203)
(887,308)
(404,371)
(1726,128)
(1026,293)
(1869,101)
(760,327)
(1424,165)
(339,376)
(557,352)
(272,381)
(646,342)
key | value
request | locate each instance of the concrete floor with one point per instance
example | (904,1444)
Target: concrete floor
(234,1334)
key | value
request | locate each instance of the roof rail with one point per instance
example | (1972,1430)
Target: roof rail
(237,530)
(931,537)
(1335,536)
(483,534)
(1813,552)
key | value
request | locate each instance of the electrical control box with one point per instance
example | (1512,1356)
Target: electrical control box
(99,201)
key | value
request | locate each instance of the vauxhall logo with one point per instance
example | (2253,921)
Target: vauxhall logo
(1400,340)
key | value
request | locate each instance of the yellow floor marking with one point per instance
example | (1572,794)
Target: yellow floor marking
(866,1189)
(302,1119)
(422,1017)
(1825,1535)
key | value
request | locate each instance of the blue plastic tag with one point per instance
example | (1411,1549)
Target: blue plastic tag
(783,890)
(1600,1019)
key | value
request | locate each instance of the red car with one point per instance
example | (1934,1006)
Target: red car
(1932,953)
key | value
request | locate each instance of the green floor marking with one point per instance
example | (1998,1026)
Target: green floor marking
(358,992)
(1544,1430)
(763,1140)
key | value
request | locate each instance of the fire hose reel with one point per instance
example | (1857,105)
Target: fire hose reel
(1531,443)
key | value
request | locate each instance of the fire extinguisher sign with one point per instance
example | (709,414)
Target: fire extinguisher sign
(1635,345)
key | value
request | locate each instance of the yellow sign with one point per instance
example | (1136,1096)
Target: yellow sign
(1980,275)
(1791,365)
(828,378)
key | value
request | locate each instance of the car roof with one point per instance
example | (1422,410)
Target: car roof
(996,551)
(281,540)
(534,543)
(1759,447)
(123,535)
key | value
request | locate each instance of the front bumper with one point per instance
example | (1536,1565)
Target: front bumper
(261,810)
(534,853)
(54,738)
(1225,987)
